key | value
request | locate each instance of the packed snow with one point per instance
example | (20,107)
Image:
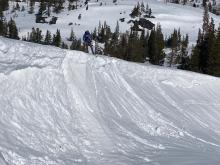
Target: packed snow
(61,107)
(169,15)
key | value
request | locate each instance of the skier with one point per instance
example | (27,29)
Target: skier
(87,38)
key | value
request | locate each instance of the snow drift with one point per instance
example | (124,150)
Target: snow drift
(60,107)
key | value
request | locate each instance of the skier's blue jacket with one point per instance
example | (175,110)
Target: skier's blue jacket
(87,38)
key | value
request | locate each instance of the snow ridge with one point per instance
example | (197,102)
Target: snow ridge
(13,56)
(65,107)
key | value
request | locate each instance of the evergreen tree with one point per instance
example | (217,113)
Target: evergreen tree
(42,7)
(204,3)
(58,6)
(76,45)
(12,30)
(48,38)
(31,9)
(174,46)
(72,36)
(57,39)
(205,26)
(136,12)
(160,43)
(113,46)
(39,36)
(156,45)
(152,45)
(123,44)
(142,7)
(64,45)
(215,61)
(212,49)
(32,36)
(4,5)
(3,24)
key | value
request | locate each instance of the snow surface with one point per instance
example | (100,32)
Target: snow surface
(169,15)
(60,107)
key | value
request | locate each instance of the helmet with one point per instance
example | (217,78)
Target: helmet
(87,32)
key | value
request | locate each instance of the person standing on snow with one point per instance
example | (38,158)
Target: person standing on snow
(87,38)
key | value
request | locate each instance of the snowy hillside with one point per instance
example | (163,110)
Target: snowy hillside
(169,15)
(66,107)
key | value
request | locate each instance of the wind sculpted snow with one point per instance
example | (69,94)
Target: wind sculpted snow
(60,107)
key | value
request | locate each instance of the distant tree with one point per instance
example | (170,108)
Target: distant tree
(4,5)
(136,12)
(72,36)
(3,24)
(42,7)
(205,26)
(48,38)
(12,30)
(57,39)
(31,9)
(156,45)
(204,3)
(76,45)
(64,45)
(58,6)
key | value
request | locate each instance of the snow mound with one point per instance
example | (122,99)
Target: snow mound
(63,107)
(13,56)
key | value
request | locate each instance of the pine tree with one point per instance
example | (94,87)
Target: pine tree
(58,6)
(31,9)
(57,39)
(160,43)
(48,38)
(205,26)
(123,43)
(3,24)
(142,7)
(156,45)
(152,45)
(174,46)
(12,30)
(76,44)
(136,12)
(115,35)
(212,48)
(64,45)
(184,58)
(32,36)
(216,59)
(42,7)
(72,36)
(113,46)
(204,3)
(17,7)
(39,36)
(135,51)
(4,5)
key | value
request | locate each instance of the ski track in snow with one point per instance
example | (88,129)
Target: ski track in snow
(63,107)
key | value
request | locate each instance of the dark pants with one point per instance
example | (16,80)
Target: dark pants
(89,45)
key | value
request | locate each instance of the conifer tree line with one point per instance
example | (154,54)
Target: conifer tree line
(7,29)
(36,36)
(195,3)
(140,9)
(141,46)
(206,53)
(51,5)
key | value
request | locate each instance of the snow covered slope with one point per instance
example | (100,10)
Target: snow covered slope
(169,15)
(61,107)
